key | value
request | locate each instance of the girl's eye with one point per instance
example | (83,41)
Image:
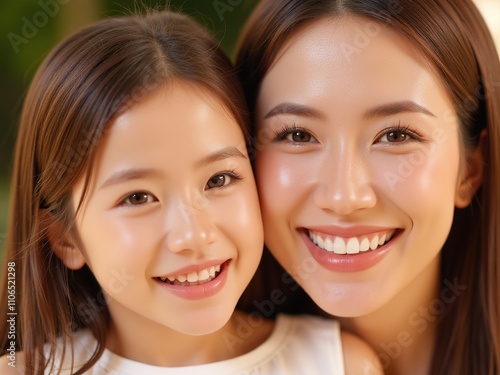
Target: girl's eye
(137,199)
(222,180)
(394,137)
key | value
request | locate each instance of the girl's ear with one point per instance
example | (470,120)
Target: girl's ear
(472,177)
(61,243)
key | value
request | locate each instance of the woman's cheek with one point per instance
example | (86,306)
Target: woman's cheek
(283,179)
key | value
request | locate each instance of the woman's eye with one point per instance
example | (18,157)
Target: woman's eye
(399,135)
(137,199)
(299,137)
(221,180)
(295,135)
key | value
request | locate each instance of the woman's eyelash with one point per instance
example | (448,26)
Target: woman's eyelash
(407,130)
(284,131)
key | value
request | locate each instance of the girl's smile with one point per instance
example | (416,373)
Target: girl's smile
(171,189)
(191,284)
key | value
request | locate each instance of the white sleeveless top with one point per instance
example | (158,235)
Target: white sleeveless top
(302,345)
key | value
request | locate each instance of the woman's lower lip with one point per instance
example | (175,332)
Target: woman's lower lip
(345,262)
(195,292)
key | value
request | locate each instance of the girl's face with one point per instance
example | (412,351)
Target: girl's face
(171,227)
(357,164)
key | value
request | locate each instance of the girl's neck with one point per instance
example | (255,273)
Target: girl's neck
(168,348)
(403,331)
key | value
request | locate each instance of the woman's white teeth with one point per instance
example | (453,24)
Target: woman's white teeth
(364,245)
(351,245)
(339,246)
(199,277)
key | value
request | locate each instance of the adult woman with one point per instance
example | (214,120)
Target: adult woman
(375,120)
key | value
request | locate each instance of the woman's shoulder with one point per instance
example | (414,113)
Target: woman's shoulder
(359,357)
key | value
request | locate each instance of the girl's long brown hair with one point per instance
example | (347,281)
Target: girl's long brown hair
(81,85)
(454,37)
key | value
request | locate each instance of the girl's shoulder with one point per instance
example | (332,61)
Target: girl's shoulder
(84,345)
(9,364)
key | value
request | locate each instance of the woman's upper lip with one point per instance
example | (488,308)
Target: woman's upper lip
(349,231)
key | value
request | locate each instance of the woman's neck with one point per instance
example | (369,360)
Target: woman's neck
(403,331)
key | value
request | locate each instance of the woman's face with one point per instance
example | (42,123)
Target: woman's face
(171,226)
(357,164)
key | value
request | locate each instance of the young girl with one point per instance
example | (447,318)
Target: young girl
(135,223)
(377,131)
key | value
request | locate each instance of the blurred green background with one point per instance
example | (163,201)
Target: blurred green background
(29,29)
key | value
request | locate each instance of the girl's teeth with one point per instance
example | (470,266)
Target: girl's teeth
(194,277)
(203,275)
(320,243)
(351,245)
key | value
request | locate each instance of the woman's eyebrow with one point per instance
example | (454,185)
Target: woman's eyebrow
(296,109)
(383,110)
(395,108)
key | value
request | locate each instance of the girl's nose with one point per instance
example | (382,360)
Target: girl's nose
(189,228)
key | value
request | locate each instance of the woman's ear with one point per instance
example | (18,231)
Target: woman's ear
(61,242)
(472,177)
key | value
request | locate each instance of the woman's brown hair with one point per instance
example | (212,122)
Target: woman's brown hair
(80,87)
(453,36)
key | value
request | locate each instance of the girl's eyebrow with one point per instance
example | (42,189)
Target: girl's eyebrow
(138,173)
(130,174)
(225,153)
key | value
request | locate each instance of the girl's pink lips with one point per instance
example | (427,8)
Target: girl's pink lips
(348,262)
(202,290)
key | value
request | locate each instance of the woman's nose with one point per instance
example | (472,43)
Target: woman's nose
(344,184)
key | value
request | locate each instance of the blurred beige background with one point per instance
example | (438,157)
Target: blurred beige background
(491,12)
